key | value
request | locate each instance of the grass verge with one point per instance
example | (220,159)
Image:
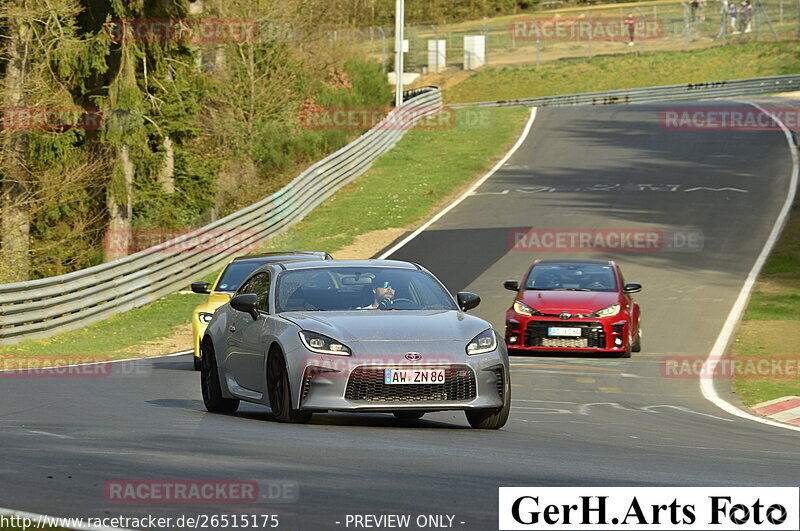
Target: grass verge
(754,59)
(770,329)
(404,186)
(407,183)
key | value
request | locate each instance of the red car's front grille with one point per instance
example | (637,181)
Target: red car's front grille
(592,335)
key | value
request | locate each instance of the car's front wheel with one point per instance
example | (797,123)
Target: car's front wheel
(637,342)
(209,382)
(280,394)
(492,419)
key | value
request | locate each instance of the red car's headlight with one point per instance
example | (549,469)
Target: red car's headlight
(523,309)
(608,311)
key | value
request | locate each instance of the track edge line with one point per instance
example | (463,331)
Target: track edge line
(726,334)
(467,192)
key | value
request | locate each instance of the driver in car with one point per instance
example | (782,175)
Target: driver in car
(383,294)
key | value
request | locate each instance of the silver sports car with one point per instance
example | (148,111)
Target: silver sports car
(360,335)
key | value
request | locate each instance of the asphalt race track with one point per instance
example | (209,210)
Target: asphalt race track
(575,421)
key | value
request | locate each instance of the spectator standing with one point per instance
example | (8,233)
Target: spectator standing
(745,16)
(732,12)
(631,23)
(695,4)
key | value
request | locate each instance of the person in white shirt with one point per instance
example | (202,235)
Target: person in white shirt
(383,294)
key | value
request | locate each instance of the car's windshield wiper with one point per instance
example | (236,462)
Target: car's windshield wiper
(571,289)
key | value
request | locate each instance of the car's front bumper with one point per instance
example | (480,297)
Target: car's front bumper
(472,382)
(530,333)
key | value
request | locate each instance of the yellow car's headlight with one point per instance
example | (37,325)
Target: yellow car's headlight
(204,317)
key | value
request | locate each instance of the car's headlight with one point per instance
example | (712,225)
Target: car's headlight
(323,344)
(482,343)
(608,311)
(523,309)
(205,317)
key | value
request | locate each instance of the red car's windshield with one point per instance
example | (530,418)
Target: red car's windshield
(572,277)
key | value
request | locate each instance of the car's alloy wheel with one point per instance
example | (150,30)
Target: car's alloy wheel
(492,419)
(280,394)
(209,382)
(408,415)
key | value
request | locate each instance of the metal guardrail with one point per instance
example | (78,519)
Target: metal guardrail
(684,92)
(44,307)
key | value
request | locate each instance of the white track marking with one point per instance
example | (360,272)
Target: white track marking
(57,435)
(726,334)
(467,193)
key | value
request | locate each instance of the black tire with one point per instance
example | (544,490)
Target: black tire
(408,415)
(637,342)
(492,419)
(209,382)
(197,361)
(625,354)
(280,391)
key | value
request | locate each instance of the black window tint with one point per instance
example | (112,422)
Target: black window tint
(247,287)
(234,274)
(260,286)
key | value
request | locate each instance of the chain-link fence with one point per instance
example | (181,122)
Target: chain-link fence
(584,32)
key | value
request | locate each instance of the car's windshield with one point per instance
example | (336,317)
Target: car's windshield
(360,289)
(572,277)
(235,273)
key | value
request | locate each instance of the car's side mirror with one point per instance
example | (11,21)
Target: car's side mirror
(467,300)
(632,287)
(201,287)
(512,285)
(247,303)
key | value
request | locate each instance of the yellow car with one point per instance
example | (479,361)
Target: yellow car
(228,281)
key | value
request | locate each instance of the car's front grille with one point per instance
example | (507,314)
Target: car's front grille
(592,335)
(367,384)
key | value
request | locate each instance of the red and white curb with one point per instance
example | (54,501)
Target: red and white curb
(785,409)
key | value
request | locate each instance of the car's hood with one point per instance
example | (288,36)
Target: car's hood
(214,301)
(391,325)
(568,301)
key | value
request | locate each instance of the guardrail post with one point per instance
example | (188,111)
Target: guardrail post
(383,49)
(686,28)
(589,17)
(644,24)
(485,43)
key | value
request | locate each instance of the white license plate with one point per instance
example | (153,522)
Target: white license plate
(563,332)
(413,376)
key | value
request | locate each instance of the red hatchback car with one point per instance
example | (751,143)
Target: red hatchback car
(574,305)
